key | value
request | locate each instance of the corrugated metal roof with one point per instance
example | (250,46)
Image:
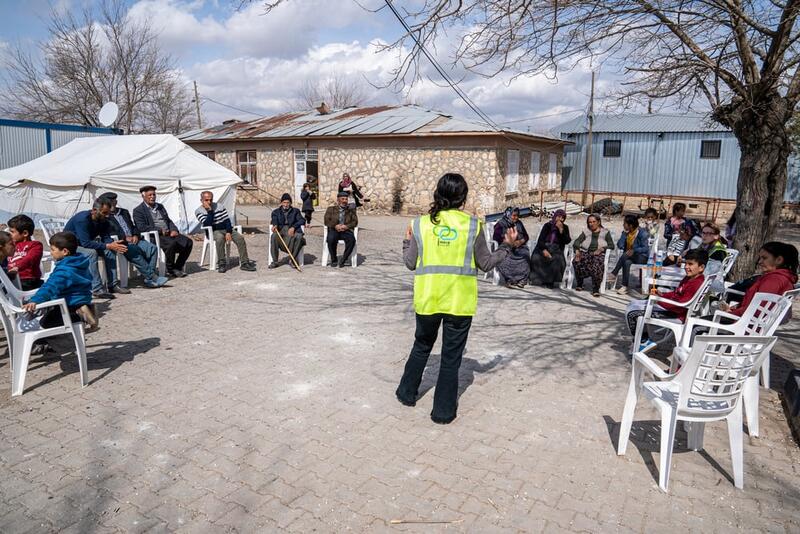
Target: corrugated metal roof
(374,120)
(643,123)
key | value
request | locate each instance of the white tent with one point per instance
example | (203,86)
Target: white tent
(67,180)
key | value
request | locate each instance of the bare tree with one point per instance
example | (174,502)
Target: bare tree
(88,61)
(736,58)
(337,91)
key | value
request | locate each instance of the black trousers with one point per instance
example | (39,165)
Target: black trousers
(349,243)
(454,339)
(172,246)
(52,316)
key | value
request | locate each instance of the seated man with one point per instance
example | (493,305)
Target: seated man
(93,231)
(141,253)
(289,222)
(340,220)
(212,214)
(151,216)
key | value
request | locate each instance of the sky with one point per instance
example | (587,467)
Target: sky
(247,63)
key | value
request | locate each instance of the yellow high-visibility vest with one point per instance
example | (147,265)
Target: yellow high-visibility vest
(445,280)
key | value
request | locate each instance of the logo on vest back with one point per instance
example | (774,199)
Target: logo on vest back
(445,235)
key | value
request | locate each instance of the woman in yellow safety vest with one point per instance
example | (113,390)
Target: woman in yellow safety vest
(443,248)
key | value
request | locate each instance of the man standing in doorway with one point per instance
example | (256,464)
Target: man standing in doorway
(151,216)
(341,219)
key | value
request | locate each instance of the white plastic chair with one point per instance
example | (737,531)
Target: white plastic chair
(693,307)
(707,388)
(124,267)
(612,256)
(21,339)
(326,256)
(569,270)
(49,227)
(761,318)
(301,259)
(15,296)
(210,247)
(152,237)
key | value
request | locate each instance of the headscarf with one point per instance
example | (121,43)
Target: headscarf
(506,219)
(553,237)
(346,181)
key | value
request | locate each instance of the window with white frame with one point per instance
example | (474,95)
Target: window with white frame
(535,175)
(246,160)
(552,171)
(512,171)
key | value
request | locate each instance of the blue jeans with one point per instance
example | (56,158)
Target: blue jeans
(144,255)
(111,267)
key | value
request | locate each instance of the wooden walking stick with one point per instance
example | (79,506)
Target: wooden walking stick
(289,252)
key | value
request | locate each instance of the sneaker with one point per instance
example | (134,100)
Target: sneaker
(247,267)
(222,269)
(578,288)
(156,281)
(622,290)
(595,294)
(88,317)
(116,288)
(647,345)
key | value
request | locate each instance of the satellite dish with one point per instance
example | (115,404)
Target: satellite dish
(108,114)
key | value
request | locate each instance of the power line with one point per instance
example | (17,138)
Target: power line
(232,107)
(467,100)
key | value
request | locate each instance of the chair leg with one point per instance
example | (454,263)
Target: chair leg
(203,253)
(765,371)
(80,348)
(637,336)
(22,355)
(750,398)
(696,433)
(354,256)
(737,446)
(630,407)
(669,419)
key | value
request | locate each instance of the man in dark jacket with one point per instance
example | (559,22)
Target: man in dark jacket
(151,216)
(341,220)
(216,216)
(141,253)
(289,222)
(93,231)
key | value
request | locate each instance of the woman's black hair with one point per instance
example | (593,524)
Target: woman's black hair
(631,220)
(678,206)
(786,251)
(451,193)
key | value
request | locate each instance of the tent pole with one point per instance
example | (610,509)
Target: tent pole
(80,199)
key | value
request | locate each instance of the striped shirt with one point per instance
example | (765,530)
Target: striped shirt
(217,217)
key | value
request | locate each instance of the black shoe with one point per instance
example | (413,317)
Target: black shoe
(442,420)
(341,264)
(334,261)
(177,273)
(405,402)
(102,295)
(247,267)
(121,290)
(272,265)
(222,268)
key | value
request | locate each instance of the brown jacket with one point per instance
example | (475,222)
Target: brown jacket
(332,217)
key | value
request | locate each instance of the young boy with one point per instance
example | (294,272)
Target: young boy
(694,267)
(28,254)
(69,280)
(650,223)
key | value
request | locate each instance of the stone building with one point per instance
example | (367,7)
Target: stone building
(395,154)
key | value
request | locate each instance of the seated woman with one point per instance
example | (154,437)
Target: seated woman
(681,243)
(515,268)
(548,262)
(590,251)
(778,263)
(634,244)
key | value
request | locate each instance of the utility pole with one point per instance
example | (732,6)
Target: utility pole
(197,105)
(587,168)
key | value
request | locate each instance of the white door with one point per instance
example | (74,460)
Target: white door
(552,172)
(299,174)
(512,176)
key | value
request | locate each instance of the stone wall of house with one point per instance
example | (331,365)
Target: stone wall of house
(396,180)
(530,189)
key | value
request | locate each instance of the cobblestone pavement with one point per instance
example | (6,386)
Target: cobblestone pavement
(253,402)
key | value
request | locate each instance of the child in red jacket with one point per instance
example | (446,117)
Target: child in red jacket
(25,262)
(696,260)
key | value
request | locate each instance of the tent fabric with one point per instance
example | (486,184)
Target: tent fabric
(69,179)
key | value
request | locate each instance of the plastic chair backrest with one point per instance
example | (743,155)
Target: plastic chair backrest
(698,300)
(730,258)
(716,369)
(762,314)
(11,291)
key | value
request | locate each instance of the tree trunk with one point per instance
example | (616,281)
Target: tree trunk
(765,146)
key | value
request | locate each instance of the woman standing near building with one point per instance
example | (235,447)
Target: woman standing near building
(444,249)
(307,196)
(352,189)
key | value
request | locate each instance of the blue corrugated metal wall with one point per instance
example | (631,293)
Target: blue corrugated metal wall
(666,164)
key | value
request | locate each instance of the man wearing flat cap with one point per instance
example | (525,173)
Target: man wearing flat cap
(289,222)
(141,253)
(341,219)
(151,216)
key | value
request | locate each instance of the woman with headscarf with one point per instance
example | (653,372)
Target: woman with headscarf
(590,253)
(352,189)
(515,269)
(548,262)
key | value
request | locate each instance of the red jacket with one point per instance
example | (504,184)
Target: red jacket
(683,293)
(776,282)
(26,259)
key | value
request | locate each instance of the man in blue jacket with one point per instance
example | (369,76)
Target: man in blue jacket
(93,231)
(287,221)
